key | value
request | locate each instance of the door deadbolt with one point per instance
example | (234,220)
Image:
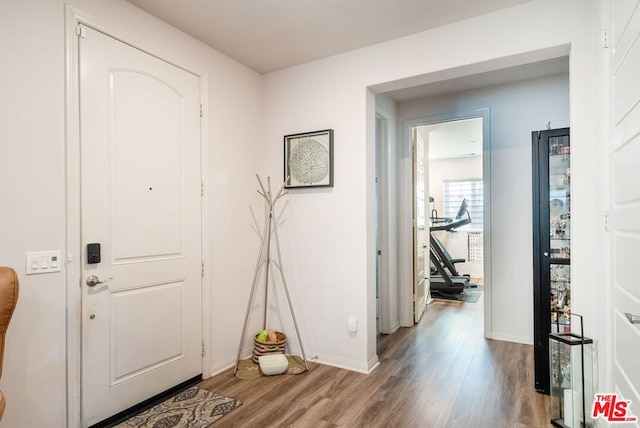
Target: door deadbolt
(93,253)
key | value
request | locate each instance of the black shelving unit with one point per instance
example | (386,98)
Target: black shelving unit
(551,244)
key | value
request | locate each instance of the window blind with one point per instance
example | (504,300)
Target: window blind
(457,190)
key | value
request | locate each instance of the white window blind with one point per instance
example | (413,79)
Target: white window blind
(457,190)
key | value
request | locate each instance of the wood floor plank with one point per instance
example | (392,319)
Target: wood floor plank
(439,373)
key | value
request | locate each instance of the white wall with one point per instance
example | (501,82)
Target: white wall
(516,110)
(32,185)
(329,246)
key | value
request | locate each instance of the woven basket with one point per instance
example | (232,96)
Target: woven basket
(266,348)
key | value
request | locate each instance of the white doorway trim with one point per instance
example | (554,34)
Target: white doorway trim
(406,208)
(73,249)
(382,196)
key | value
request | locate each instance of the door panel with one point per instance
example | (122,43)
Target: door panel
(147,167)
(421,279)
(626,340)
(626,171)
(135,317)
(624,209)
(140,158)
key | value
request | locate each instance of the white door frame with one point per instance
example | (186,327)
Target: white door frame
(416,157)
(382,158)
(406,211)
(73,247)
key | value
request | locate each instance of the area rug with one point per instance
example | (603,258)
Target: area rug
(247,369)
(192,408)
(469,295)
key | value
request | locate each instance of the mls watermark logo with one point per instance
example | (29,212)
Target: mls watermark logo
(612,409)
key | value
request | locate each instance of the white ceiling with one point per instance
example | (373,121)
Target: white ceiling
(271,35)
(460,138)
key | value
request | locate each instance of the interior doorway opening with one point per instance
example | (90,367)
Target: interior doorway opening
(454,208)
(380,135)
(509,110)
(427,128)
(386,299)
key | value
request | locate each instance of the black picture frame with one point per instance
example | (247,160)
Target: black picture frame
(308,159)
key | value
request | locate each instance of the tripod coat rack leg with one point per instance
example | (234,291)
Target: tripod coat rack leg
(265,261)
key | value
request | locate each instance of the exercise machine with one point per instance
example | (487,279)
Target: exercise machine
(446,280)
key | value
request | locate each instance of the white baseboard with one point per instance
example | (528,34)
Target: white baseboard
(394,328)
(341,363)
(406,322)
(351,365)
(229,362)
(514,339)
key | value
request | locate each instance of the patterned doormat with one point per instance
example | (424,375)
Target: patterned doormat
(192,408)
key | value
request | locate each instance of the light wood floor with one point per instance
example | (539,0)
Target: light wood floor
(440,373)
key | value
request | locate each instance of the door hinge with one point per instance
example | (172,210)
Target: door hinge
(80,31)
(203,349)
(202,268)
(201,110)
(605,41)
(606,221)
(202,188)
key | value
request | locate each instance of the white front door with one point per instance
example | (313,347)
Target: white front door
(420,227)
(624,214)
(141,201)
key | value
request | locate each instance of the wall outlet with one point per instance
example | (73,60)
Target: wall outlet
(352,324)
(43,262)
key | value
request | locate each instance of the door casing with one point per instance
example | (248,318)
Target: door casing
(406,229)
(385,323)
(419,155)
(72,251)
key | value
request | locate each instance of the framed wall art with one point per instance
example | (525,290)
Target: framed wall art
(308,159)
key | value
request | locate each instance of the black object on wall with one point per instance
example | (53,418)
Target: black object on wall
(551,244)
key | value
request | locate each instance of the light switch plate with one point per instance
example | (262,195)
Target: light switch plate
(43,262)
